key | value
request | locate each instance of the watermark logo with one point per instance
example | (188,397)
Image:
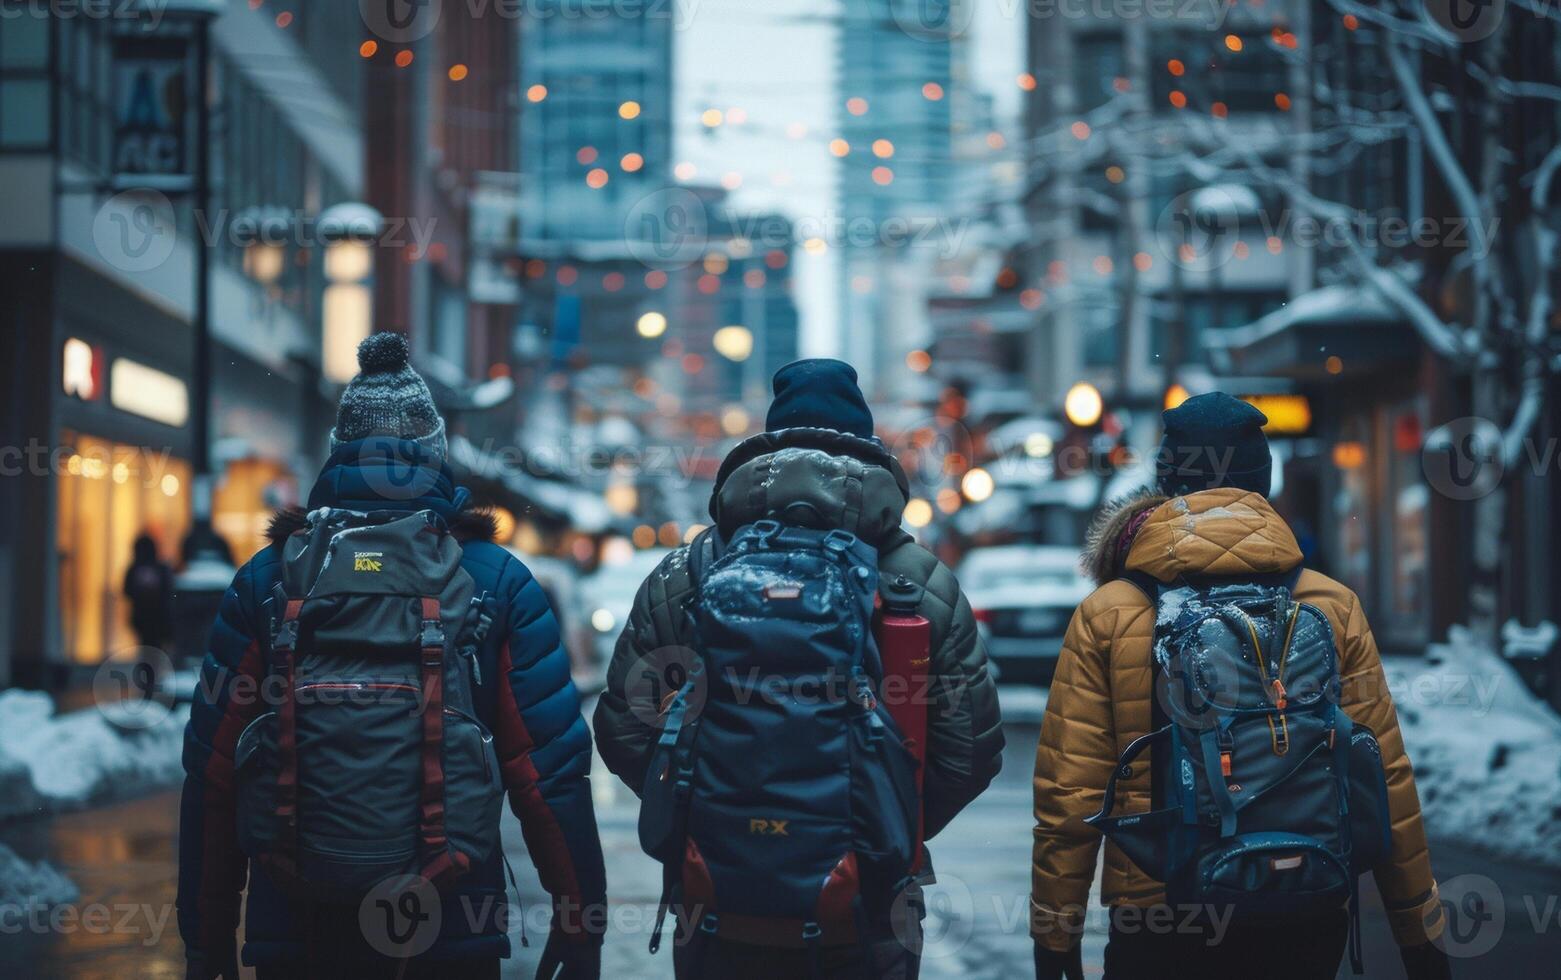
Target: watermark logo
(656,678)
(1201,229)
(400,21)
(932,20)
(1467,20)
(1476,914)
(127,691)
(1463,459)
(667,229)
(135,230)
(400,917)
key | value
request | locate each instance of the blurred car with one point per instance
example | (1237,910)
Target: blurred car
(606,597)
(1023,597)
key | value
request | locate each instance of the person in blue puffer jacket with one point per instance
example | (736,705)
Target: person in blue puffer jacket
(387,452)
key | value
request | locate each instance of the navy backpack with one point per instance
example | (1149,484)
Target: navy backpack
(1266,798)
(781,797)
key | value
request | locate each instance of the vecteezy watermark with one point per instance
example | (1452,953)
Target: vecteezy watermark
(1476,915)
(135,230)
(401,916)
(1467,20)
(1464,459)
(1210,227)
(151,12)
(667,228)
(671,228)
(943,20)
(142,919)
(127,691)
(147,465)
(406,21)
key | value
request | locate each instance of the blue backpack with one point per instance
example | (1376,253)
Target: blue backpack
(1266,798)
(780,798)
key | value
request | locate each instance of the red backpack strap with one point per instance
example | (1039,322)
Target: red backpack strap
(440,861)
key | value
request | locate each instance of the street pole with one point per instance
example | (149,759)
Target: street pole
(200,456)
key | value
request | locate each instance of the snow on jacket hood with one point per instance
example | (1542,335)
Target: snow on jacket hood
(812,478)
(1226,531)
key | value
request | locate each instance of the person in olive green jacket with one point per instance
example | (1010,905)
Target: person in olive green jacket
(820,466)
(1210,516)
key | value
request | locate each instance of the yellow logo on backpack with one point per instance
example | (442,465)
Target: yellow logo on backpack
(367,561)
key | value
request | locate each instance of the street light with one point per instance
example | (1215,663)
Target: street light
(651,324)
(347,309)
(1083,405)
(734,343)
(977,485)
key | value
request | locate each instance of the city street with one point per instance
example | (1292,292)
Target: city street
(122,857)
(380,377)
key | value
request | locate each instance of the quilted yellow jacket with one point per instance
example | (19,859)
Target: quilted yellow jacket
(1099,703)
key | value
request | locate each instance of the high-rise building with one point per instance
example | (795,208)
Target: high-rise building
(596,123)
(896,168)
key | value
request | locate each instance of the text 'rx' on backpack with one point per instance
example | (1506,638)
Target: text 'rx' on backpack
(782,796)
(370,763)
(1266,799)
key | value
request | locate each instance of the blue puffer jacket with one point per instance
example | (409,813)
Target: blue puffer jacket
(526,698)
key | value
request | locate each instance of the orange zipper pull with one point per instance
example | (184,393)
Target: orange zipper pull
(1280,699)
(1225,763)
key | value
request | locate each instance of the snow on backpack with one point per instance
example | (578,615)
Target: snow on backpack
(1266,798)
(781,796)
(371,763)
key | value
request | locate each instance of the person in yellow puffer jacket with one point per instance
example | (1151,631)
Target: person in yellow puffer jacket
(1210,516)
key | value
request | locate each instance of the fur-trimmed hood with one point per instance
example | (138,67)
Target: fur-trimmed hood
(471,524)
(1112,531)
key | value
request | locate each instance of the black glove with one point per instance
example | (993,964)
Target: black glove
(1052,965)
(1426,961)
(570,958)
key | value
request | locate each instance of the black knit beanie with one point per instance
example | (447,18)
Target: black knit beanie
(1211,441)
(388,398)
(819,393)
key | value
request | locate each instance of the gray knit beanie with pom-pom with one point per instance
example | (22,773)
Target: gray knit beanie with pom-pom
(388,398)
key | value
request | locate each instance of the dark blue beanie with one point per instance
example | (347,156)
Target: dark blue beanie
(1211,441)
(819,393)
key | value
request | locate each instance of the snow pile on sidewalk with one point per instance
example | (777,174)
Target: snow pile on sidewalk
(54,762)
(1487,753)
(24,884)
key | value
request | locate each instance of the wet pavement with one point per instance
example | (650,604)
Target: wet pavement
(122,857)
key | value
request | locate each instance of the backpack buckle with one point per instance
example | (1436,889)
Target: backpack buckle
(432,635)
(838,541)
(286,636)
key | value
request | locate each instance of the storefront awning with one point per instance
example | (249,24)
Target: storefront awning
(1352,323)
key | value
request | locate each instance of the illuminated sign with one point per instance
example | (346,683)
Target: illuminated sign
(81,370)
(1288,415)
(145,391)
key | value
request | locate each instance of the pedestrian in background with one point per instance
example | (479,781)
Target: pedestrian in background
(817,468)
(149,589)
(1208,517)
(388,453)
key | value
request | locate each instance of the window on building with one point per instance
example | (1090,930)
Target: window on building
(1097,64)
(24,78)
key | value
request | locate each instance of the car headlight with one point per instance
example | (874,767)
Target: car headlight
(603,620)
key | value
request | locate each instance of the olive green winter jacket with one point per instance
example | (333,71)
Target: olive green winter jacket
(823,479)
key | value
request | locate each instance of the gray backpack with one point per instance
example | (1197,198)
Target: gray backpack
(370,762)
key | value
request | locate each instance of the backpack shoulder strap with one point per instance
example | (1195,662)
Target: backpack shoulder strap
(702,553)
(1146,583)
